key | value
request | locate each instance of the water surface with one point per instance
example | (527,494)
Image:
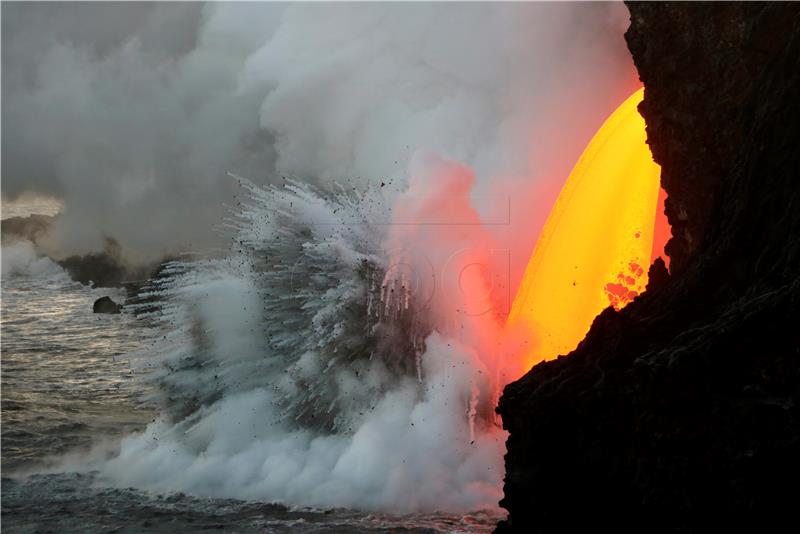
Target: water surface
(67,385)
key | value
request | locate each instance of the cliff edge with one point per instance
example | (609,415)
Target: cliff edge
(682,412)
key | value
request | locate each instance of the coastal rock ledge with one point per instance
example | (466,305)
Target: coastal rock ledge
(681,413)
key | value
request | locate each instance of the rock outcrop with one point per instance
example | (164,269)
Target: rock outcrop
(104,268)
(108,268)
(98,269)
(681,412)
(106,305)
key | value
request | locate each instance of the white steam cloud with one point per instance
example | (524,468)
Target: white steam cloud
(489,102)
(132,113)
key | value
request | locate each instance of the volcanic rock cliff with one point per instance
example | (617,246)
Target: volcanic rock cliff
(682,412)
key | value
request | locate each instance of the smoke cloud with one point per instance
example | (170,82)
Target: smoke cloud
(132,113)
(455,115)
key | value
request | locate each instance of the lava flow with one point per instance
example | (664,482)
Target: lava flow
(596,245)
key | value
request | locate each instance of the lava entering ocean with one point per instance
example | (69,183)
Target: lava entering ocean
(597,242)
(332,361)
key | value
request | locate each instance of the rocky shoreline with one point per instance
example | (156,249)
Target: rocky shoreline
(103,268)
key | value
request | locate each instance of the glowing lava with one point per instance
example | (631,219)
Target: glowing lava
(595,247)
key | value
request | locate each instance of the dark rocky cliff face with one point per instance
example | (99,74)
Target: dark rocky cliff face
(682,411)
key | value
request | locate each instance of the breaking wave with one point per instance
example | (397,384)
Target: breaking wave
(19,258)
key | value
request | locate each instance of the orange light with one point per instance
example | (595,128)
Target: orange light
(594,250)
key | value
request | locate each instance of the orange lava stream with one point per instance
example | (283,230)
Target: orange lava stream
(596,245)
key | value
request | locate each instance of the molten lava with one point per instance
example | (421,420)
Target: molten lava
(596,245)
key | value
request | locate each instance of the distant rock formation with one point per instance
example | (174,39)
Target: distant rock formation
(106,305)
(100,269)
(681,413)
(107,268)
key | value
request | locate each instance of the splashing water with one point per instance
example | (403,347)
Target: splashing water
(305,368)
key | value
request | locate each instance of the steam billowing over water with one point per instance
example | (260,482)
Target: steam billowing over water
(132,113)
(342,352)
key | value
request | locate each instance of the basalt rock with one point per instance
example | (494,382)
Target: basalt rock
(104,268)
(107,268)
(106,305)
(681,412)
(98,269)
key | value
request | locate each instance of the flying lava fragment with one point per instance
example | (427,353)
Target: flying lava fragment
(595,248)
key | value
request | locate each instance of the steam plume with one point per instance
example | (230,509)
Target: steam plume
(132,113)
